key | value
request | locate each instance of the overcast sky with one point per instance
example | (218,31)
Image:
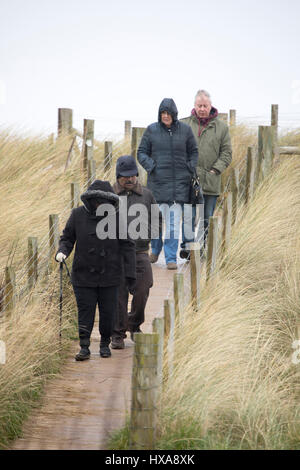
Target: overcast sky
(114,60)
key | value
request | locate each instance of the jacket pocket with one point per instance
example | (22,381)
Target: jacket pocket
(211,183)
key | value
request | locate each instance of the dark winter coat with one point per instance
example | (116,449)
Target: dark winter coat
(169,155)
(96,262)
(141,195)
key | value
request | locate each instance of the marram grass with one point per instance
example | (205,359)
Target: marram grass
(234,385)
(34,184)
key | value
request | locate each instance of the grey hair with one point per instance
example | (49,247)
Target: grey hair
(203,92)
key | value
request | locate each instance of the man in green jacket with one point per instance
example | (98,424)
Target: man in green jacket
(215,153)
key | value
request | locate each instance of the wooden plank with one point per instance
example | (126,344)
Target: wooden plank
(289,150)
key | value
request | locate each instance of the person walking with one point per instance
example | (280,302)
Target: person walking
(169,153)
(215,153)
(134,196)
(98,260)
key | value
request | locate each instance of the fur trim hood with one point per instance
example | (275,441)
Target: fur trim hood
(99,190)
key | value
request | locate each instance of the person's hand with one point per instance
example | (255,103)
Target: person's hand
(131,284)
(60,257)
(214,172)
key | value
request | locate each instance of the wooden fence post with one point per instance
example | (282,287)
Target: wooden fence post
(169,315)
(195,268)
(178,283)
(158,327)
(144,391)
(265,151)
(88,142)
(32,261)
(91,176)
(65,121)
(53,236)
(274,120)
(9,291)
(235,192)
(212,246)
(137,134)
(69,157)
(227,221)
(108,149)
(75,195)
(250,174)
(127,130)
(232,117)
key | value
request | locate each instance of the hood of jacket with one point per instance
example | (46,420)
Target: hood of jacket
(101,190)
(168,104)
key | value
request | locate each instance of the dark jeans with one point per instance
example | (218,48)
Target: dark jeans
(144,280)
(209,207)
(87,299)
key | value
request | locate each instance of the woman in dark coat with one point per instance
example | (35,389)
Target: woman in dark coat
(169,153)
(97,264)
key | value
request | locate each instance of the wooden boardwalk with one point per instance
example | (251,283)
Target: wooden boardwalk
(91,399)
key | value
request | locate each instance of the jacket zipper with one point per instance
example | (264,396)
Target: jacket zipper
(173,166)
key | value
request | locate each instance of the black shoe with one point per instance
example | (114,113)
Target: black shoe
(117,343)
(138,330)
(105,351)
(185,254)
(83,354)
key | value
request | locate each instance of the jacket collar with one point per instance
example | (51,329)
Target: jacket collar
(135,189)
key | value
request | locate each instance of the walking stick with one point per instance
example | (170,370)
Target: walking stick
(60,298)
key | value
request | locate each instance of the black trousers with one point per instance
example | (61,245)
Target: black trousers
(87,299)
(144,280)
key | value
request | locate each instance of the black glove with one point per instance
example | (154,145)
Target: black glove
(131,284)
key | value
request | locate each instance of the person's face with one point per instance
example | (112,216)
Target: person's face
(166,118)
(127,182)
(202,106)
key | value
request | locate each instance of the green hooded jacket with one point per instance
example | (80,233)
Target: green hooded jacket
(214,148)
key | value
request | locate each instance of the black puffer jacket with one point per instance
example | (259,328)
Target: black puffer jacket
(97,262)
(169,155)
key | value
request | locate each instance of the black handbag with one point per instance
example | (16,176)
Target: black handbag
(196,195)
